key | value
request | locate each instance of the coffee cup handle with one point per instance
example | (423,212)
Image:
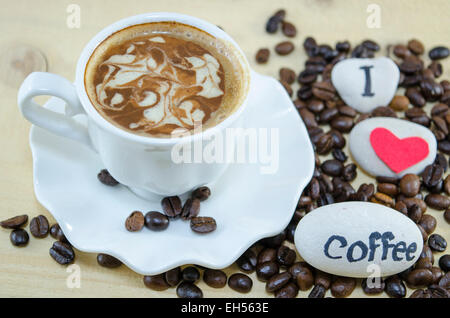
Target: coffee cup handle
(41,83)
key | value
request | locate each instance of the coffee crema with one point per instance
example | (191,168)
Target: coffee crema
(153,78)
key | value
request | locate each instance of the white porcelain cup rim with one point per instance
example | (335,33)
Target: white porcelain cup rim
(148,18)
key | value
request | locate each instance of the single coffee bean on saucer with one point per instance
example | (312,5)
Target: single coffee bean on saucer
(190,209)
(214,278)
(173,276)
(15,222)
(201,193)
(107,179)
(57,233)
(288,29)
(437,243)
(203,224)
(108,261)
(189,290)
(171,206)
(39,226)
(156,282)
(135,222)
(284,48)
(190,274)
(156,221)
(240,283)
(62,253)
(19,237)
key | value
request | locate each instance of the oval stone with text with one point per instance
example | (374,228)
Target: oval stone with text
(358,239)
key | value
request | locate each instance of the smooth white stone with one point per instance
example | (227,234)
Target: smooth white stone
(363,153)
(356,221)
(350,81)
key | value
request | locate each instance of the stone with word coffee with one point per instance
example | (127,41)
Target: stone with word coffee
(358,239)
(391,147)
(365,84)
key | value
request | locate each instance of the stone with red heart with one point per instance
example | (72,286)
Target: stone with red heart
(392,147)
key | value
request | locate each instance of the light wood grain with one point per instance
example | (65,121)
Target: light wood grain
(29,271)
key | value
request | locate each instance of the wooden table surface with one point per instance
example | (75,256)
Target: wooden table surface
(29,271)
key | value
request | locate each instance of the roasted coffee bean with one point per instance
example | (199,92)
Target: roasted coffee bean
(15,222)
(201,193)
(57,233)
(264,271)
(436,69)
(307,76)
(317,292)
(304,92)
(401,207)
(304,278)
(439,52)
(420,293)
(383,111)
(203,224)
(39,226)
(382,179)
(447,215)
(401,51)
(287,75)
(108,261)
(215,278)
(173,276)
(431,175)
(286,256)
(395,287)
(423,232)
(247,261)
(274,241)
(290,231)
(428,223)
(410,65)
(420,277)
(190,209)
(445,281)
(240,283)
(324,144)
(316,106)
(415,213)
(290,290)
(189,290)
(440,109)
(62,253)
(327,115)
(171,206)
(410,185)
(342,286)
(277,281)
(310,46)
(156,221)
(373,285)
(343,46)
(437,201)
(338,154)
(297,268)
(273,22)
(105,178)
(190,274)
(322,279)
(444,146)
(411,201)
(288,88)
(423,263)
(323,90)
(361,51)
(437,243)
(427,253)
(338,140)
(415,97)
(135,222)
(416,47)
(308,118)
(280,14)
(342,123)
(267,255)
(284,48)
(315,134)
(444,262)
(387,188)
(437,273)
(156,282)
(349,172)
(438,291)
(332,167)
(19,237)
(262,56)
(399,103)
(371,45)
(431,90)
(382,198)
(289,29)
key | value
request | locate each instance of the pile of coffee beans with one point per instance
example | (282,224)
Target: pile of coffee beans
(328,119)
(61,251)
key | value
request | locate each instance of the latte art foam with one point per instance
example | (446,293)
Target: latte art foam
(154,83)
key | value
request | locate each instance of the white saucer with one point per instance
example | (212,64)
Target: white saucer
(246,204)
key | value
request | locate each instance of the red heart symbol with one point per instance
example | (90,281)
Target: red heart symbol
(398,154)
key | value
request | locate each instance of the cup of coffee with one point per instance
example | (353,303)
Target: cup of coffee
(146,83)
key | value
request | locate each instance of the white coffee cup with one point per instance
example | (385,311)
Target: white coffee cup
(144,164)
